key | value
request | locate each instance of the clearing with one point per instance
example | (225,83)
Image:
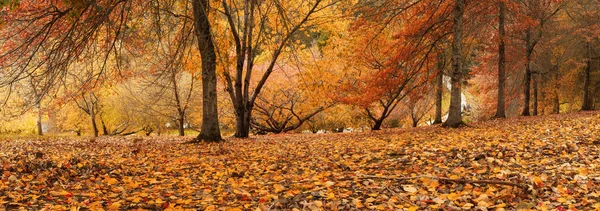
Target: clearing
(548,162)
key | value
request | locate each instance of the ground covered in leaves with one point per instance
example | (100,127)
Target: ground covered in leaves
(539,163)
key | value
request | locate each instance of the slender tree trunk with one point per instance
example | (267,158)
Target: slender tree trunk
(587,100)
(535,96)
(181,126)
(415,122)
(94,126)
(104,128)
(527,86)
(454,113)
(40,131)
(500,109)
(439,91)
(210,130)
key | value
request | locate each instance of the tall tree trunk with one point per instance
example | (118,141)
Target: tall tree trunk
(587,100)
(527,86)
(501,106)
(40,131)
(439,90)
(454,113)
(535,96)
(210,130)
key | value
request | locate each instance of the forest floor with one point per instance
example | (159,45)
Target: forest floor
(539,163)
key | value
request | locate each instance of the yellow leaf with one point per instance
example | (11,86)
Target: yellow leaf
(278,188)
(538,180)
(210,208)
(358,203)
(413,208)
(409,188)
(318,203)
(453,196)
(561,200)
(370,199)
(114,206)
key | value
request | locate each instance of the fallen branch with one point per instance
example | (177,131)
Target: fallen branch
(445,179)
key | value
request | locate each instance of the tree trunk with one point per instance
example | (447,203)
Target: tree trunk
(40,131)
(94,126)
(527,86)
(535,96)
(242,129)
(587,100)
(501,106)
(210,130)
(415,122)
(439,91)
(377,125)
(104,128)
(181,126)
(454,113)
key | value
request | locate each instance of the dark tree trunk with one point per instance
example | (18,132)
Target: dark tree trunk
(454,113)
(587,100)
(535,96)
(104,128)
(242,119)
(415,122)
(40,131)
(94,126)
(181,123)
(439,91)
(210,130)
(377,125)
(501,107)
(527,86)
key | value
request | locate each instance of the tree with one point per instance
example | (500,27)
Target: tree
(61,32)
(250,24)
(209,130)
(535,14)
(454,113)
(500,109)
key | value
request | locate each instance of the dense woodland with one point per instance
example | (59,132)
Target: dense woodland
(108,67)
(224,105)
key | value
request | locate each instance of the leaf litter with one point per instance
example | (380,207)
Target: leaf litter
(533,163)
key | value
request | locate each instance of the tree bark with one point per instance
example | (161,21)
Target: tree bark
(535,96)
(104,128)
(210,130)
(501,106)
(587,101)
(439,91)
(181,123)
(527,86)
(94,126)
(40,131)
(377,125)
(454,113)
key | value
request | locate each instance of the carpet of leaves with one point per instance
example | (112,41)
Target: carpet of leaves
(553,159)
